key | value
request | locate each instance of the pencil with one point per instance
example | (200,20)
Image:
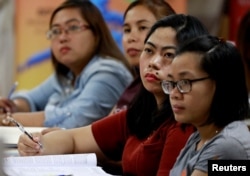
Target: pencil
(12,90)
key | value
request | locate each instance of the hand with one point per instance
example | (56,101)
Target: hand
(7,105)
(28,147)
(4,121)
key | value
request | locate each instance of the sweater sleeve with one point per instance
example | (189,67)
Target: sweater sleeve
(175,140)
(38,97)
(111,134)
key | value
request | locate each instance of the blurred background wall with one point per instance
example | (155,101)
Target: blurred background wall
(24,49)
(7,49)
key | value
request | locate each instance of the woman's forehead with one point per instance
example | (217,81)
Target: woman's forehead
(188,61)
(65,15)
(163,36)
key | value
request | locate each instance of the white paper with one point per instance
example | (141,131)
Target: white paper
(53,165)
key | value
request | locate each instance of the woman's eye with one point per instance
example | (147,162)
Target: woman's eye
(73,28)
(169,55)
(126,30)
(56,31)
(142,28)
(147,50)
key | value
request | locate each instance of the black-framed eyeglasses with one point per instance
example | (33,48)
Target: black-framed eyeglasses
(56,31)
(184,86)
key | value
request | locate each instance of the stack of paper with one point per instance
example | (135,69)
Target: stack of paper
(48,165)
(53,165)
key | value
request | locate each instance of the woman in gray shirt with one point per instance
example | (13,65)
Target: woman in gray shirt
(207,89)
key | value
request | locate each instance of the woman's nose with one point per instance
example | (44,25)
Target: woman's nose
(64,36)
(175,93)
(155,62)
(132,36)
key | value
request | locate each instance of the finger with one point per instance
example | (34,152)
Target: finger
(7,105)
(23,153)
(10,106)
(26,141)
(27,147)
(25,150)
(7,101)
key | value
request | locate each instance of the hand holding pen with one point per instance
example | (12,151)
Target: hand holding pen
(20,126)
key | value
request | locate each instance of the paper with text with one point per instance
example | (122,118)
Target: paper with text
(52,165)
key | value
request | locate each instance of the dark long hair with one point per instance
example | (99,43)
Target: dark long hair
(107,48)
(143,116)
(222,61)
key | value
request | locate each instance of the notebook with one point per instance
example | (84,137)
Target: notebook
(1,158)
(53,165)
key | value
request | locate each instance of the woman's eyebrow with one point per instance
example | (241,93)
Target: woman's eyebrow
(169,47)
(67,22)
(150,43)
(169,75)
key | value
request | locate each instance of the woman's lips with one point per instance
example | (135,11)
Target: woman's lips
(177,108)
(64,50)
(133,52)
(151,77)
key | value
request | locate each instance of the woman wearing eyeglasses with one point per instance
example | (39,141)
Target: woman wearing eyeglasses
(90,72)
(206,85)
(145,137)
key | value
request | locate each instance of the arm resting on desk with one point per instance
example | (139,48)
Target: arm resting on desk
(78,140)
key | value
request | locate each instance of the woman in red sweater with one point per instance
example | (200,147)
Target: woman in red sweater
(145,137)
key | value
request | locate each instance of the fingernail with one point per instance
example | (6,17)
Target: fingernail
(38,147)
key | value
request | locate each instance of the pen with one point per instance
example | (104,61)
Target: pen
(20,126)
(12,90)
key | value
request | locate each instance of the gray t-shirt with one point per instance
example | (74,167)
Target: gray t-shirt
(232,143)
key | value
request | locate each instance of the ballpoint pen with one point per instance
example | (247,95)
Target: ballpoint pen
(12,90)
(20,126)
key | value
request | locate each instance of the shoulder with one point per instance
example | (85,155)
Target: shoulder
(236,132)
(107,64)
(99,65)
(233,142)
